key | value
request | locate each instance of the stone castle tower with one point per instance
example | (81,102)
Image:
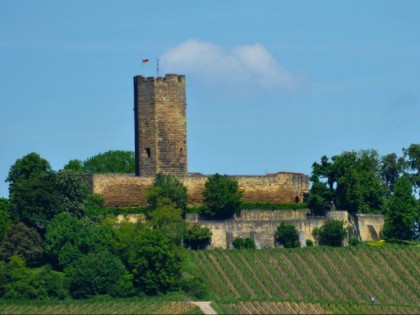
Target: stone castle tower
(160,125)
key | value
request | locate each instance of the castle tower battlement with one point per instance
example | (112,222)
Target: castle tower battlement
(160,125)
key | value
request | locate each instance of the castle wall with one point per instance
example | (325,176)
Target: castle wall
(261,230)
(262,225)
(130,190)
(370,226)
(160,125)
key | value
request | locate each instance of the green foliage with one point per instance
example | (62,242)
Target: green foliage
(31,165)
(154,262)
(287,235)
(167,188)
(221,197)
(94,273)
(354,241)
(124,287)
(124,238)
(332,233)
(392,167)
(402,211)
(108,162)
(197,237)
(5,220)
(37,193)
(24,241)
(20,282)
(244,243)
(68,238)
(351,180)
(309,243)
(73,193)
(412,155)
(192,281)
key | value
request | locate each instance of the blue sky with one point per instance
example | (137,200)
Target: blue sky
(271,85)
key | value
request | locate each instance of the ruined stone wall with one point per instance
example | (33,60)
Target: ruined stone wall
(261,230)
(262,225)
(370,226)
(129,190)
(160,125)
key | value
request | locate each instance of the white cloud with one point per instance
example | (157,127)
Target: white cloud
(251,64)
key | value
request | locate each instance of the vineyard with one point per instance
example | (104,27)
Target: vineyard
(145,306)
(316,278)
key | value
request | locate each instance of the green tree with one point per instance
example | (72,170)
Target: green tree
(167,187)
(287,235)
(392,167)
(68,238)
(5,220)
(117,161)
(332,233)
(402,211)
(73,193)
(154,262)
(36,197)
(168,219)
(352,181)
(24,241)
(19,282)
(31,190)
(27,167)
(412,154)
(222,197)
(197,236)
(94,273)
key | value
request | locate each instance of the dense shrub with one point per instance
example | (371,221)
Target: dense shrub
(287,235)
(332,233)
(20,282)
(197,237)
(248,243)
(24,241)
(94,273)
(154,262)
(167,187)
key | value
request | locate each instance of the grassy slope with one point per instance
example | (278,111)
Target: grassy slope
(348,275)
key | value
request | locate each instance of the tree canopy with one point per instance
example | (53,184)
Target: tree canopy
(287,235)
(222,197)
(402,211)
(351,181)
(117,161)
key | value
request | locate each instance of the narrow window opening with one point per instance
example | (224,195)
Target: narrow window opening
(180,151)
(148,152)
(147,123)
(297,200)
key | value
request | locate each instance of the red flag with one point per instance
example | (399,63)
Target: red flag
(145,60)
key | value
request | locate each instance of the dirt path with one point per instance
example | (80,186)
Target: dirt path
(206,307)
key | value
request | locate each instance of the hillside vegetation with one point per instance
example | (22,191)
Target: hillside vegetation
(313,276)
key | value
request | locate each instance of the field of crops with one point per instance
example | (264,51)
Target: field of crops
(315,275)
(147,306)
(312,308)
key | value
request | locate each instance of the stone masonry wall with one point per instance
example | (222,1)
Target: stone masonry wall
(160,125)
(258,225)
(370,225)
(129,190)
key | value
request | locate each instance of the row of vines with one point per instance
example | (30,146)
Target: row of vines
(149,306)
(323,275)
(318,308)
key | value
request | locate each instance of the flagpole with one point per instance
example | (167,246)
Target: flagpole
(157,67)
